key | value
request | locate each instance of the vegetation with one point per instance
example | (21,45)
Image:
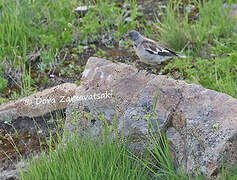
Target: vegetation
(213,35)
(40,38)
(59,35)
(84,159)
(95,158)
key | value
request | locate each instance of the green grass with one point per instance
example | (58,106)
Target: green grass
(213,34)
(51,26)
(179,30)
(26,25)
(30,25)
(219,74)
(84,159)
(106,18)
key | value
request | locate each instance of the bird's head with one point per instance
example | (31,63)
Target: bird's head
(133,35)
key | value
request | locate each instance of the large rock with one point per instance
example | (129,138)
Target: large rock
(233,15)
(201,123)
(12,172)
(38,104)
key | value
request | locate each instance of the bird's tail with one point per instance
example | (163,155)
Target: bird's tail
(181,56)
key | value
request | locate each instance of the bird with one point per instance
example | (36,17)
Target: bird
(149,51)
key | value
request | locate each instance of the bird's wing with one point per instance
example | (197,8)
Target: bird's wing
(153,48)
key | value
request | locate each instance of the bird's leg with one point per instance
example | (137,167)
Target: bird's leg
(140,65)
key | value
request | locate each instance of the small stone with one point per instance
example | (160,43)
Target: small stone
(52,76)
(189,9)
(82,9)
(213,55)
(128,19)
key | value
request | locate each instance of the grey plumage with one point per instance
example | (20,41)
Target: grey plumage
(149,51)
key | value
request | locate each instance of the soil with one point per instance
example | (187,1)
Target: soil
(27,135)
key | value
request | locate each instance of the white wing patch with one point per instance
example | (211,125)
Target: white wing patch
(157,51)
(153,48)
(151,51)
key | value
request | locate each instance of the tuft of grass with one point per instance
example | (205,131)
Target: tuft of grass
(179,32)
(82,158)
(3,83)
(162,166)
(173,27)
